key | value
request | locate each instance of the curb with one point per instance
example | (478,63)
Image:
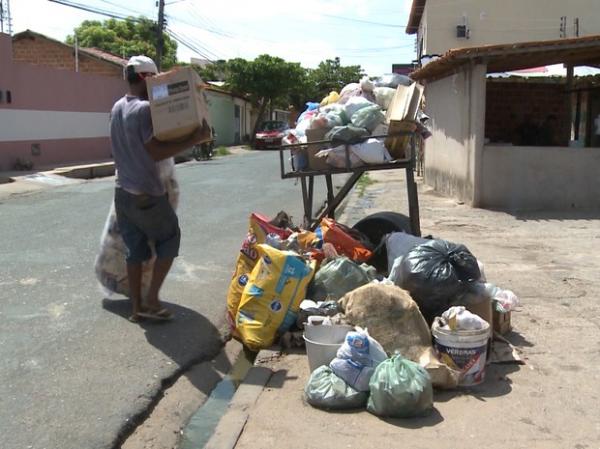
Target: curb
(232,423)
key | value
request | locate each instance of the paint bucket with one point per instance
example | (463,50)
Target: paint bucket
(323,342)
(464,351)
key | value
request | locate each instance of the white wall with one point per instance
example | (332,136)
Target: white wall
(540,178)
(456,105)
(505,21)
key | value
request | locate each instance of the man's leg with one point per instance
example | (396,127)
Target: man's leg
(159,273)
(134,277)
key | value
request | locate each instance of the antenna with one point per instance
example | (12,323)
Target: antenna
(5,18)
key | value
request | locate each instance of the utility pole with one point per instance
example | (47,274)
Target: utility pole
(5,19)
(159,38)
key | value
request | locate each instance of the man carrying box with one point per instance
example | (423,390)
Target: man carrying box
(143,210)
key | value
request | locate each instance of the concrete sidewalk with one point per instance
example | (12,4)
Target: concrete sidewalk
(550,261)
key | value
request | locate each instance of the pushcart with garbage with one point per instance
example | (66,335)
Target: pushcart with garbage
(425,301)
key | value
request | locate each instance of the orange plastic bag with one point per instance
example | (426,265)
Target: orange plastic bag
(257,233)
(340,236)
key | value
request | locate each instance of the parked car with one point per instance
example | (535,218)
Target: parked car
(269,134)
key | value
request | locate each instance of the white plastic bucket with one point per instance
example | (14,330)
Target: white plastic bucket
(322,343)
(465,351)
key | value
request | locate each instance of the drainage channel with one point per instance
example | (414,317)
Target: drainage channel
(203,423)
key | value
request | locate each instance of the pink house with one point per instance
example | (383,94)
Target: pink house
(51,114)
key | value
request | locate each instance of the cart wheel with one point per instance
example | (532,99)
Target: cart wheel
(375,227)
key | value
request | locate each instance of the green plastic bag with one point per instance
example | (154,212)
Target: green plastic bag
(400,388)
(368,117)
(327,391)
(338,277)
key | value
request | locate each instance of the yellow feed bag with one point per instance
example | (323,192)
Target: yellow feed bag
(271,299)
(257,233)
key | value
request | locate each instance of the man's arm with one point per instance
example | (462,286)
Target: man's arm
(163,150)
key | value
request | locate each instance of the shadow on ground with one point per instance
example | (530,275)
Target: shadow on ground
(187,333)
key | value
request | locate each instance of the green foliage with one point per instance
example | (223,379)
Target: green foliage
(125,37)
(331,75)
(363,182)
(222,151)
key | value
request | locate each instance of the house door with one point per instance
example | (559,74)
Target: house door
(237,124)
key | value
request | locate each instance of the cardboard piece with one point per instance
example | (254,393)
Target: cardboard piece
(316,163)
(502,324)
(177,104)
(401,115)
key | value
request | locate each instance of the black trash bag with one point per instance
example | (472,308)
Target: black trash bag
(436,273)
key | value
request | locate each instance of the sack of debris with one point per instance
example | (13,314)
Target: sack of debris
(435,273)
(391,316)
(357,359)
(259,229)
(400,388)
(327,391)
(271,298)
(337,277)
(395,321)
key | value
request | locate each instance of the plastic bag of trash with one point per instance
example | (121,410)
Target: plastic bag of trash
(354,104)
(327,391)
(372,151)
(369,117)
(336,278)
(110,265)
(347,241)
(392,80)
(399,244)
(357,358)
(400,388)
(333,97)
(384,96)
(435,273)
(337,157)
(459,318)
(346,134)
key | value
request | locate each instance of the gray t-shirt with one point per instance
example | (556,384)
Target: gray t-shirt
(130,128)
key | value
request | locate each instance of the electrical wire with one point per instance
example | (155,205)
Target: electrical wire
(98,11)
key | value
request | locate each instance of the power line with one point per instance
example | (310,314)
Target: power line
(350,19)
(192,45)
(98,11)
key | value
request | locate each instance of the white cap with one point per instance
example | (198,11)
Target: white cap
(142,64)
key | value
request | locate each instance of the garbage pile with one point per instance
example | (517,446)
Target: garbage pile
(376,339)
(371,107)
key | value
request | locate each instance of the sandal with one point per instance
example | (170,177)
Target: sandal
(135,318)
(163,314)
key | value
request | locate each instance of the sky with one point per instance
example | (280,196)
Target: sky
(370,33)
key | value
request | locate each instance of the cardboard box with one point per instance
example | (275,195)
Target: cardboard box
(316,163)
(502,323)
(177,104)
(483,309)
(399,146)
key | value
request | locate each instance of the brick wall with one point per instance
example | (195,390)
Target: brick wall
(52,54)
(508,103)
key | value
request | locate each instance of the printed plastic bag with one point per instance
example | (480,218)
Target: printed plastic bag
(400,388)
(110,265)
(258,231)
(271,299)
(435,273)
(368,117)
(336,278)
(357,359)
(344,239)
(327,391)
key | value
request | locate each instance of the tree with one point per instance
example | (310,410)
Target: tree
(267,80)
(125,38)
(331,75)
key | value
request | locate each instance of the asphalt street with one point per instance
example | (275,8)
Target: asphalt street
(74,371)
